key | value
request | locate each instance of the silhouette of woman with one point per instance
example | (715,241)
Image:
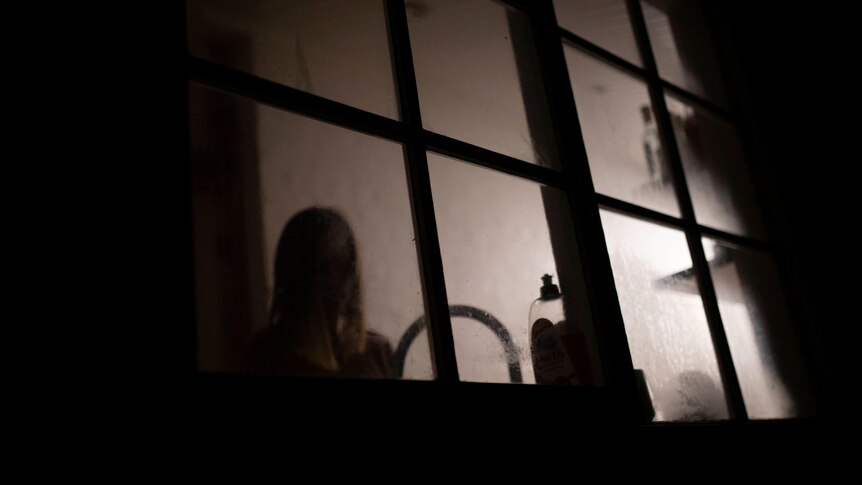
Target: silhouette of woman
(316,326)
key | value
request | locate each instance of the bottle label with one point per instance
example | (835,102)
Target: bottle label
(551,364)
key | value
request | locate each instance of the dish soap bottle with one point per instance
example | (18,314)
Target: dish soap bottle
(550,364)
(558,350)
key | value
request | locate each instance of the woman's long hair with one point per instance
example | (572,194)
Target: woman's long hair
(316,303)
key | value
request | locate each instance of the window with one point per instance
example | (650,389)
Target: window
(450,155)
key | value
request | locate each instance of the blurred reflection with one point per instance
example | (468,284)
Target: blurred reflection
(652,149)
(621,137)
(316,324)
(721,187)
(691,396)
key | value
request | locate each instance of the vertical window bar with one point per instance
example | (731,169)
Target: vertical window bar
(693,236)
(610,330)
(427,242)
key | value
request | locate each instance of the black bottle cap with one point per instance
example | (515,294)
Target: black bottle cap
(549,289)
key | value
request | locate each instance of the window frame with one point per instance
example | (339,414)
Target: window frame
(615,402)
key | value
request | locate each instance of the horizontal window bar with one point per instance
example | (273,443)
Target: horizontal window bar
(585,45)
(284,97)
(487,158)
(651,215)
(579,42)
(291,99)
(642,212)
(697,101)
(735,239)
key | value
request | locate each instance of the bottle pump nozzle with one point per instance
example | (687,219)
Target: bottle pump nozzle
(549,289)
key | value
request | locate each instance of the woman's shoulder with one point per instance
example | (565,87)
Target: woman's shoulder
(376,361)
(377,341)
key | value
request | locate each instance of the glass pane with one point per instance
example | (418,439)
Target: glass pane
(620,133)
(304,252)
(665,322)
(478,79)
(719,182)
(603,22)
(498,236)
(338,49)
(683,51)
(762,342)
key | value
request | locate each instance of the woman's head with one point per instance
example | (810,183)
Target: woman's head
(316,296)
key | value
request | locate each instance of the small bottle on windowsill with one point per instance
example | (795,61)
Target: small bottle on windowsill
(558,348)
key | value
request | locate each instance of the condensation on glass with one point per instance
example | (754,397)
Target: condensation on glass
(338,49)
(684,52)
(605,23)
(626,158)
(720,184)
(664,318)
(764,347)
(478,78)
(254,170)
(499,235)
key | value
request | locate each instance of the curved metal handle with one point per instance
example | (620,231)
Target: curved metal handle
(466,311)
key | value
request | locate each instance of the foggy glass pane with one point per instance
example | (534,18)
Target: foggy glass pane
(756,320)
(683,50)
(478,79)
(298,306)
(499,235)
(605,23)
(338,49)
(620,133)
(664,318)
(718,179)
